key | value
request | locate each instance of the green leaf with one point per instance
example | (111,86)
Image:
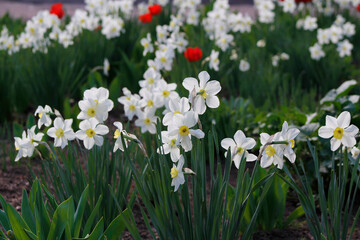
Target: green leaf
(17,129)
(91,219)
(80,212)
(26,212)
(116,227)
(30,121)
(298,212)
(60,219)
(115,89)
(18,224)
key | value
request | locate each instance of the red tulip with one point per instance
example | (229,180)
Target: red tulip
(193,54)
(57,9)
(145,18)
(358,8)
(155,9)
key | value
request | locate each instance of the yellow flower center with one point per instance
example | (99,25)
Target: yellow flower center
(173,142)
(132,107)
(240,150)
(147,121)
(40,115)
(150,81)
(184,131)
(203,93)
(150,103)
(166,93)
(163,59)
(177,112)
(292,143)
(91,112)
(59,133)
(338,133)
(117,134)
(90,132)
(174,172)
(128,98)
(270,151)
(17,148)
(146,45)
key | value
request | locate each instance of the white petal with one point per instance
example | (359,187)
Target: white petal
(213,87)
(101,129)
(335,144)
(348,141)
(199,105)
(98,140)
(331,122)
(326,132)
(251,157)
(89,142)
(351,130)
(239,137)
(212,101)
(190,83)
(203,77)
(343,120)
(197,133)
(227,143)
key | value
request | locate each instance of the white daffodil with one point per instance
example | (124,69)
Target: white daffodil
(355,152)
(61,132)
(26,145)
(146,43)
(344,48)
(90,132)
(181,126)
(21,146)
(214,60)
(44,115)
(149,101)
(170,145)
(272,154)
(132,108)
(239,147)
(117,135)
(289,136)
(205,92)
(177,174)
(106,67)
(95,104)
(147,121)
(340,130)
(176,106)
(152,77)
(166,91)
(316,52)
(244,65)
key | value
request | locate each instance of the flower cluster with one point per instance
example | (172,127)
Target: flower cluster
(46,27)
(336,34)
(273,150)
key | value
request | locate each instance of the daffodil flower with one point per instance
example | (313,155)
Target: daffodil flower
(239,147)
(61,132)
(205,92)
(90,132)
(182,127)
(177,174)
(340,130)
